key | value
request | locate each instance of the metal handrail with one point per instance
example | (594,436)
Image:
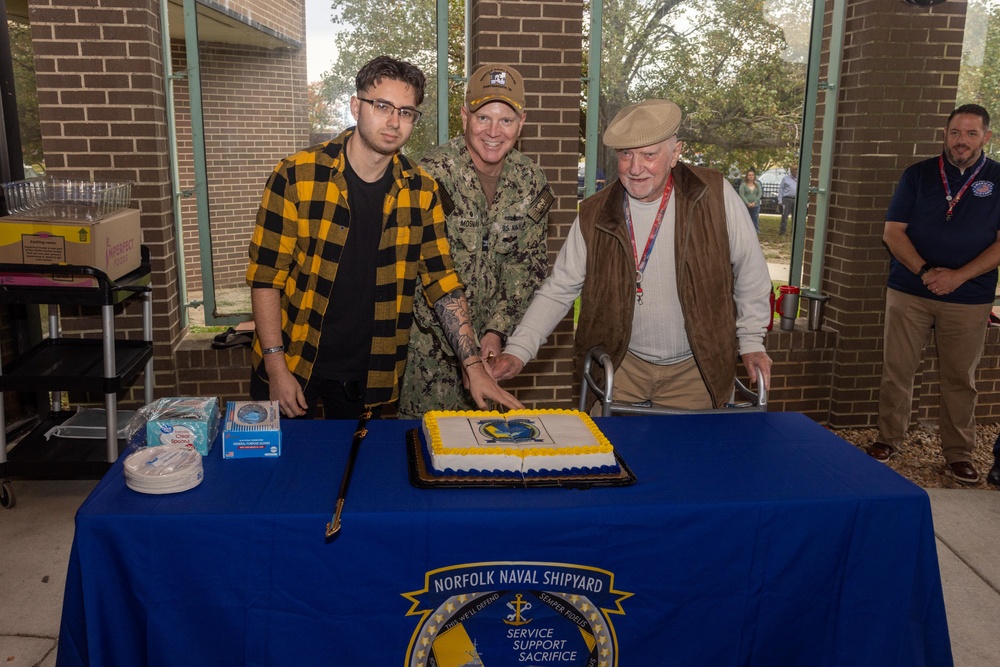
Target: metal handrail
(604,392)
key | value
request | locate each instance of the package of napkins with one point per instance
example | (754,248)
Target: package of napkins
(183,421)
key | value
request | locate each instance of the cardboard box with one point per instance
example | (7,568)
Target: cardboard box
(111,244)
(48,280)
(253,429)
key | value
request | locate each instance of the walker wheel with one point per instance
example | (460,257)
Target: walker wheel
(7,499)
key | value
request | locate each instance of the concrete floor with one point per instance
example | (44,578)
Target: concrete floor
(35,539)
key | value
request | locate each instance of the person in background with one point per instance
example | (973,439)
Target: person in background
(751,192)
(497,202)
(665,251)
(942,230)
(787,193)
(344,232)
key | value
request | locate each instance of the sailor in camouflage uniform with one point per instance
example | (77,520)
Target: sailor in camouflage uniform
(496,200)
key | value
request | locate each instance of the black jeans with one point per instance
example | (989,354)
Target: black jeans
(341,399)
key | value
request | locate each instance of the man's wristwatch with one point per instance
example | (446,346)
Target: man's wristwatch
(924,269)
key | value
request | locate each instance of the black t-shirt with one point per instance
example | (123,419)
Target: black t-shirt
(346,335)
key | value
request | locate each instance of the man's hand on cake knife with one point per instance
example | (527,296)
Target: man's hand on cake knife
(453,313)
(506,366)
(489,346)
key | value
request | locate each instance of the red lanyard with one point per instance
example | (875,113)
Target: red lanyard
(640,264)
(953,201)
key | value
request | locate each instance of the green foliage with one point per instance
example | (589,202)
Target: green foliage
(320,110)
(24,86)
(979,77)
(724,62)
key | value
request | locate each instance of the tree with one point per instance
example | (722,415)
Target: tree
(320,112)
(722,61)
(979,77)
(25,91)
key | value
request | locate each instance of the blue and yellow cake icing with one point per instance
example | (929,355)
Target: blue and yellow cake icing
(520,442)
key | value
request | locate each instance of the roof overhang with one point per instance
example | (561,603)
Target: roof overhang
(216,23)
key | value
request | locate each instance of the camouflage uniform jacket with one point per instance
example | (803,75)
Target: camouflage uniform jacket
(302,225)
(499,252)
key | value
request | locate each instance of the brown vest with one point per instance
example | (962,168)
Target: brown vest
(704,277)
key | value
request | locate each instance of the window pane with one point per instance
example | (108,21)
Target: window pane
(23,62)
(979,77)
(737,69)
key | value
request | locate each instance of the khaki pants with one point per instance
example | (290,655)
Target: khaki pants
(678,386)
(960,330)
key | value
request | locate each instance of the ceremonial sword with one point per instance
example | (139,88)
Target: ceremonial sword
(333,528)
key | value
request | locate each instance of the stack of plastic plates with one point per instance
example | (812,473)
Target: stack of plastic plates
(163,469)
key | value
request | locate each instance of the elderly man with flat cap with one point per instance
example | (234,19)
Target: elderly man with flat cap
(672,280)
(496,201)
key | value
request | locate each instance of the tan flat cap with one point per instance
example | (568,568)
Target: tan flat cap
(644,124)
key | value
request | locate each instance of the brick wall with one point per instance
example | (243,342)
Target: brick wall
(203,371)
(543,41)
(802,370)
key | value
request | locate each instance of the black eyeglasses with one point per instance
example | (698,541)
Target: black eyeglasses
(385,110)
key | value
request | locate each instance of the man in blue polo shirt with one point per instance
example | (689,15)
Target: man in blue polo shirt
(943,231)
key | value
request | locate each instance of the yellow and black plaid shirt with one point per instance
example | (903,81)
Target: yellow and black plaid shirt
(301,228)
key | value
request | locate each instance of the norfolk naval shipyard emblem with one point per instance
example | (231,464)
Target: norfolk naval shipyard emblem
(504,614)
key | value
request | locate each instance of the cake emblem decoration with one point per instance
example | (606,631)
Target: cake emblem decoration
(515,430)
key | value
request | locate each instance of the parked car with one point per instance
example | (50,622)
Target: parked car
(769,182)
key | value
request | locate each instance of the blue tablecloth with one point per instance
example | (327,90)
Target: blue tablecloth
(748,539)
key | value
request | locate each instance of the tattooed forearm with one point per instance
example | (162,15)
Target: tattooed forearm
(453,313)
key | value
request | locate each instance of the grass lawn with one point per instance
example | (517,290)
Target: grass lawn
(777,248)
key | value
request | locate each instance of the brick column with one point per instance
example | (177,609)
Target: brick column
(101,101)
(543,41)
(899,76)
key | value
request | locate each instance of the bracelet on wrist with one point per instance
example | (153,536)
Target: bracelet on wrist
(473,363)
(273,350)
